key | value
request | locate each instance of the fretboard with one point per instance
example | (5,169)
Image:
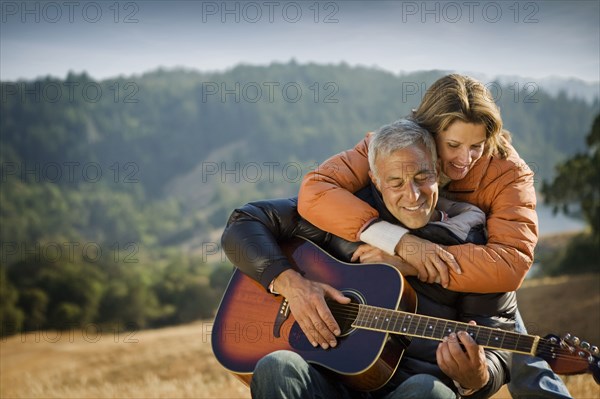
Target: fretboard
(415,325)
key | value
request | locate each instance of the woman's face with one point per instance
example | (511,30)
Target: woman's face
(459,147)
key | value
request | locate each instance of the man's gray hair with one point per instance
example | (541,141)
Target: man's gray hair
(396,136)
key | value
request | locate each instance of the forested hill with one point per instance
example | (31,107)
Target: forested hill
(185,139)
(169,121)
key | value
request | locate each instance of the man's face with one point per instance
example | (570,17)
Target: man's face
(408,183)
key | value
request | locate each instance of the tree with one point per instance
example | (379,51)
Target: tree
(11,316)
(577,182)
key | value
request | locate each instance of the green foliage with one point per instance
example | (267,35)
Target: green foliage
(546,130)
(39,294)
(11,317)
(185,288)
(58,294)
(34,302)
(220,276)
(577,183)
(130,303)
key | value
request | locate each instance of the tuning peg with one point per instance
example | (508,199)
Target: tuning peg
(595,350)
(582,354)
(575,341)
(584,345)
(567,337)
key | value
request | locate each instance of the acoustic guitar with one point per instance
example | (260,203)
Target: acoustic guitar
(251,323)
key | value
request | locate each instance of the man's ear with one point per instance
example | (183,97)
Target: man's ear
(374,179)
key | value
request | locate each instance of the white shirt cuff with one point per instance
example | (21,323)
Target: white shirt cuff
(383,235)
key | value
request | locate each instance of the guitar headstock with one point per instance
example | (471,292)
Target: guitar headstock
(570,355)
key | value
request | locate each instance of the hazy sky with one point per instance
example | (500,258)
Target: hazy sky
(109,38)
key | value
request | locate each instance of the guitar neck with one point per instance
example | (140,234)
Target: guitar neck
(415,325)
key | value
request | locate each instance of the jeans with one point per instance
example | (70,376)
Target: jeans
(421,386)
(531,377)
(284,374)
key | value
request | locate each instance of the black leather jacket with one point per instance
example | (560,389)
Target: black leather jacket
(251,238)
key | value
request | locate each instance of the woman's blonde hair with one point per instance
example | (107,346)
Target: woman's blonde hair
(458,97)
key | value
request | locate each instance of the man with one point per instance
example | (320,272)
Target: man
(404,191)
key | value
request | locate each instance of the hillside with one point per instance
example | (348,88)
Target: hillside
(177,362)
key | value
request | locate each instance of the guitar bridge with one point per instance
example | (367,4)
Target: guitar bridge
(282,315)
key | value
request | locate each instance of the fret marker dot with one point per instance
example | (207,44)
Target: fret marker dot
(404,329)
(430,327)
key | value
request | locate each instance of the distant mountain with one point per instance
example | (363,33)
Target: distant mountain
(573,87)
(554,85)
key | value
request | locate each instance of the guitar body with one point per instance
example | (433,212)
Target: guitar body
(250,323)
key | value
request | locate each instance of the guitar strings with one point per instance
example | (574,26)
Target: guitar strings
(544,346)
(349,313)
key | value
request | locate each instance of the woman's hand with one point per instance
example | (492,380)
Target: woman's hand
(369,254)
(430,260)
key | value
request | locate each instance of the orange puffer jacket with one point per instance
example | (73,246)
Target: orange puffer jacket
(502,188)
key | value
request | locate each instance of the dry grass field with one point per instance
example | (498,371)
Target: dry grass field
(177,362)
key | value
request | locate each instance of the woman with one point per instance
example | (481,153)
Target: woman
(477,165)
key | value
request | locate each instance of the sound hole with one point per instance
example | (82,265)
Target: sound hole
(345,314)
